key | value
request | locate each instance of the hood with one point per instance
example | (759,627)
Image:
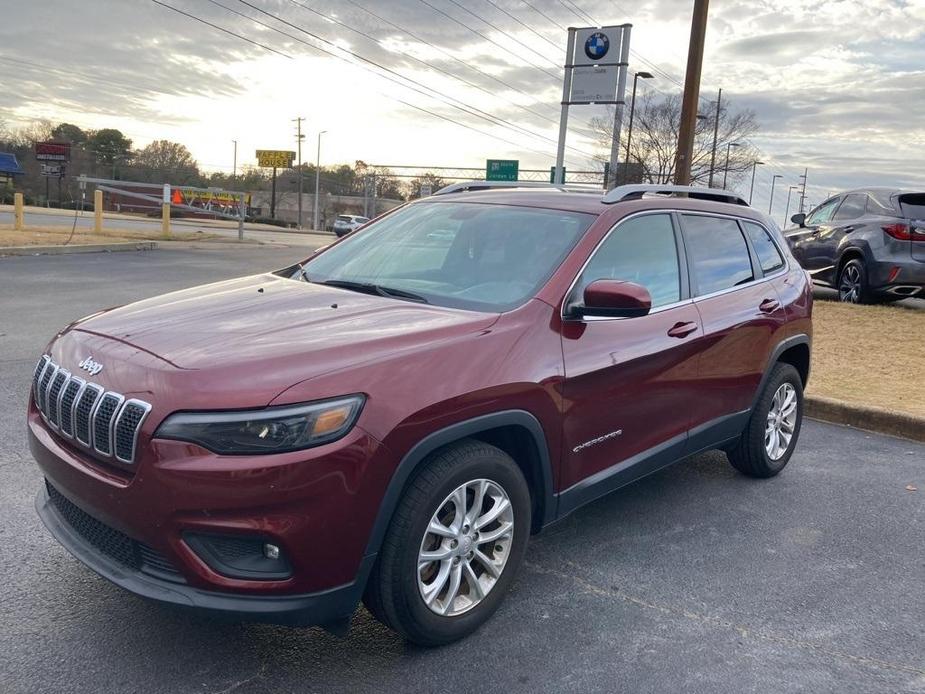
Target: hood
(264,332)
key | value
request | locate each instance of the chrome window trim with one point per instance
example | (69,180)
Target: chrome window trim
(57,403)
(115,422)
(115,412)
(99,395)
(45,392)
(694,299)
(81,385)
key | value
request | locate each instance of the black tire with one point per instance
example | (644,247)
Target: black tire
(392,594)
(749,455)
(853,285)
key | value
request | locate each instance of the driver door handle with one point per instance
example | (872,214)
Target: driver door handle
(769,306)
(682,329)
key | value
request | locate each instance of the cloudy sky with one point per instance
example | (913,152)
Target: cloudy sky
(837,86)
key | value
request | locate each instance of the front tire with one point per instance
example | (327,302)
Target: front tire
(766,445)
(454,545)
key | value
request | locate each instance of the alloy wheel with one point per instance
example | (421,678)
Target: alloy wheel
(849,287)
(465,547)
(782,419)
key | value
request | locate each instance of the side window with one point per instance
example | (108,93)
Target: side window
(880,204)
(854,206)
(768,254)
(718,253)
(823,213)
(640,250)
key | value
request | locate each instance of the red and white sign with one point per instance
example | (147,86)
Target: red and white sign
(53,151)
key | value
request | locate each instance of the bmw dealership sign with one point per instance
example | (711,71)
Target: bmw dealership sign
(596,45)
(597,63)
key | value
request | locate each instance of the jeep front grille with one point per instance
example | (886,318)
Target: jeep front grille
(96,418)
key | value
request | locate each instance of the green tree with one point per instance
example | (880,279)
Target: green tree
(110,147)
(429,179)
(166,161)
(69,133)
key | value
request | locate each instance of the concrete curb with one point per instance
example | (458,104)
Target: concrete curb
(84,248)
(875,419)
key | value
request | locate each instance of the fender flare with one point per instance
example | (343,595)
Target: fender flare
(454,432)
(779,349)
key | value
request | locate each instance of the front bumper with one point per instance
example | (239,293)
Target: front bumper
(321,608)
(317,505)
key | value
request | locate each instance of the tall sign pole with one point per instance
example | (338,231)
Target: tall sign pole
(691,93)
(596,61)
(719,99)
(563,117)
(618,107)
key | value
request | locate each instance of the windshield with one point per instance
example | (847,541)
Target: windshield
(462,255)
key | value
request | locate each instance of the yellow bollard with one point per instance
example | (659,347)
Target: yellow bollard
(165,218)
(97,211)
(17,211)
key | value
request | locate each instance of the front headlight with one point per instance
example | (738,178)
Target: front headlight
(271,430)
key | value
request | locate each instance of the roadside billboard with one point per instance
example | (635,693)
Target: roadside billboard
(275,158)
(53,151)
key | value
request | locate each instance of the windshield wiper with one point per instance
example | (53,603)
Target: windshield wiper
(370,288)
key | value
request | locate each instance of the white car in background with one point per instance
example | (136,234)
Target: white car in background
(345,223)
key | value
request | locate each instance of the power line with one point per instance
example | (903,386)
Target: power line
(543,14)
(525,26)
(340,57)
(222,29)
(486,38)
(440,96)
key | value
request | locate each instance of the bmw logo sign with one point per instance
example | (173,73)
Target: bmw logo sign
(597,45)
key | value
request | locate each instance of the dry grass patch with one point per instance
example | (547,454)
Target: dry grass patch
(869,355)
(56,236)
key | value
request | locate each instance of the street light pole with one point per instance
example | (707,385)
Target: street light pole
(751,190)
(787,211)
(629,131)
(719,99)
(773,181)
(234,166)
(726,170)
(317,214)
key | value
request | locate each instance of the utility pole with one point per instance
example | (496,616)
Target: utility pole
(234,166)
(803,192)
(316,217)
(751,190)
(773,181)
(719,99)
(691,93)
(299,138)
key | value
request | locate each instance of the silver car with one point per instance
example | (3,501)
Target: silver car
(345,223)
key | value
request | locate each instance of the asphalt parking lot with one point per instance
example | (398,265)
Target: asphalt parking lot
(694,579)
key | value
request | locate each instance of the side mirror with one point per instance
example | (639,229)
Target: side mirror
(614,299)
(798,219)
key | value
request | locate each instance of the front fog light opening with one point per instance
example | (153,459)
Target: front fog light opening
(248,557)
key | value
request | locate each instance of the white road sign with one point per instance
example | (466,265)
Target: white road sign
(597,64)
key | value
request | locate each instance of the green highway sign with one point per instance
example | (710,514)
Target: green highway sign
(501,169)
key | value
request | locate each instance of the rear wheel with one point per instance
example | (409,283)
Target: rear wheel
(454,545)
(767,443)
(853,287)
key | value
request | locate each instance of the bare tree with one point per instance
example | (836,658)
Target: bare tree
(655,140)
(427,179)
(163,160)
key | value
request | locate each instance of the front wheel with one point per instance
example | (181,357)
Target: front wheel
(454,545)
(767,443)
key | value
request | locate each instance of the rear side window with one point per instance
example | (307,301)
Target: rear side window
(641,250)
(913,205)
(854,206)
(765,248)
(718,253)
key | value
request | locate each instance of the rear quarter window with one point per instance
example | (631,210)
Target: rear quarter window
(768,254)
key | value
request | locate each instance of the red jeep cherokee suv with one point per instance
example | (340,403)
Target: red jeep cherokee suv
(392,419)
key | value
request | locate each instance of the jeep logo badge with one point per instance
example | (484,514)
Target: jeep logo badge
(90,366)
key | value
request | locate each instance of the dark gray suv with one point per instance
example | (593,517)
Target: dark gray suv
(869,244)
